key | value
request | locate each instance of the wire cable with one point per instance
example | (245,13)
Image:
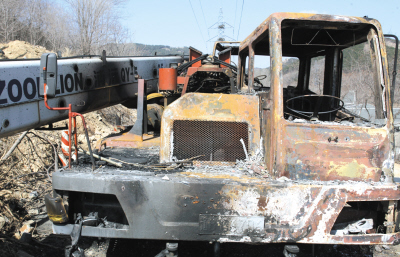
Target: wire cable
(234,22)
(240,22)
(204,17)
(194,14)
(188,64)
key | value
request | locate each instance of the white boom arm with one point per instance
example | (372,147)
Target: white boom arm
(86,83)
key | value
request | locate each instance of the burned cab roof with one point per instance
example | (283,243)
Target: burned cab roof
(304,38)
(223,46)
(308,34)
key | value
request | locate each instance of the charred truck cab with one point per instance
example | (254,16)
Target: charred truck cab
(304,156)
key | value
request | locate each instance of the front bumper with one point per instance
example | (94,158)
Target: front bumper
(225,207)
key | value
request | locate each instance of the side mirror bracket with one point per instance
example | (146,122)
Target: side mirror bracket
(48,74)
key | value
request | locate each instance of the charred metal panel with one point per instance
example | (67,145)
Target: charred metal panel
(338,152)
(328,152)
(228,109)
(275,97)
(227,207)
(212,224)
(265,25)
(327,166)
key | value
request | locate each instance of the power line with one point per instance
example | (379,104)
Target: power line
(194,14)
(205,22)
(240,20)
(234,22)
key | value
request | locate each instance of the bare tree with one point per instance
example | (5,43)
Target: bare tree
(125,49)
(33,21)
(24,20)
(56,28)
(10,25)
(96,23)
(358,81)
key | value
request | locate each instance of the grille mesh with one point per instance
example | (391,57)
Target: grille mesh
(218,141)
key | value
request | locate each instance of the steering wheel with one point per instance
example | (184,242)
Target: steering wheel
(258,78)
(331,104)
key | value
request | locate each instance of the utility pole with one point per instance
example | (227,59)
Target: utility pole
(221,25)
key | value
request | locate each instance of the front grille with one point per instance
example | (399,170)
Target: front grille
(217,141)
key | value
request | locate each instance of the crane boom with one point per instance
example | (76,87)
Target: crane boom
(86,83)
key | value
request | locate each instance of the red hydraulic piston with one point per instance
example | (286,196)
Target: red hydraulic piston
(167,79)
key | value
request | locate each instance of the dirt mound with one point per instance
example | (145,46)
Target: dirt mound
(21,50)
(100,124)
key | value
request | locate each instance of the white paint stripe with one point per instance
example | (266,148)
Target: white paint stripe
(64,134)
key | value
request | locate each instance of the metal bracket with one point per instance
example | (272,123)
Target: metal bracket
(73,250)
(140,126)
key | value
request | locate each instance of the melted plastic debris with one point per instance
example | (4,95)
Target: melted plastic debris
(358,227)
(254,164)
(341,123)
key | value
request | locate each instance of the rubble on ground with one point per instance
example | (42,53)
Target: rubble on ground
(25,175)
(21,50)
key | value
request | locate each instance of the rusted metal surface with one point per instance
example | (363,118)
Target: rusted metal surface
(356,154)
(317,172)
(223,45)
(167,79)
(279,17)
(225,57)
(210,107)
(360,153)
(129,140)
(312,213)
(137,135)
(193,54)
(230,206)
(140,126)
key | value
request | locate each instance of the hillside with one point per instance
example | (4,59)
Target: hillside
(149,50)
(350,57)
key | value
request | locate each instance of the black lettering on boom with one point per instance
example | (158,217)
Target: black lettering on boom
(62,83)
(123,75)
(69,86)
(78,81)
(2,86)
(31,82)
(127,74)
(11,84)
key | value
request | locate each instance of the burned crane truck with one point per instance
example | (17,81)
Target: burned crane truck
(273,158)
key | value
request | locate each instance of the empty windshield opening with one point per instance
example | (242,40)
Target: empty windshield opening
(332,72)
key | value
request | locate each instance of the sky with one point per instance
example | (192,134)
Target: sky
(180,23)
